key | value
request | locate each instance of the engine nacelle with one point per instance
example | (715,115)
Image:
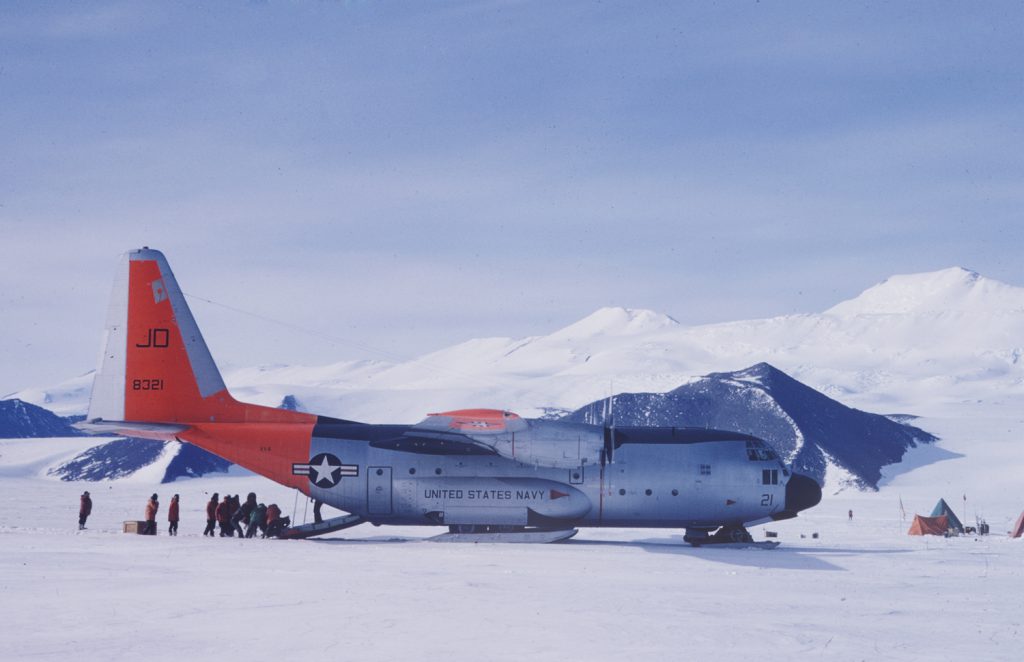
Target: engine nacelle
(536,442)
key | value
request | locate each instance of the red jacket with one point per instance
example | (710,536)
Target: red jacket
(211,509)
(172,511)
(86,506)
(151,508)
(273,513)
(224,511)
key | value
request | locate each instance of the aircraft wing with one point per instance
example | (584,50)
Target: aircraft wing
(427,442)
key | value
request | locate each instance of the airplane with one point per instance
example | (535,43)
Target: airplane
(485,474)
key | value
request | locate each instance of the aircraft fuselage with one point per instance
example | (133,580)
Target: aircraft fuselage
(657,477)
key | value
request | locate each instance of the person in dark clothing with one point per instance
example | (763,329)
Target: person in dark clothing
(211,515)
(275,522)
(224,517)
(84,509)
(243,513)
(172,516)
(257,521)
(152,507)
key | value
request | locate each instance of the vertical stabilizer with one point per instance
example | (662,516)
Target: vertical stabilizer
(155,365)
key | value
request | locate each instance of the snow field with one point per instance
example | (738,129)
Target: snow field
(862,590)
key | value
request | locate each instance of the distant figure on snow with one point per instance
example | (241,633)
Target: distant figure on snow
(172,516)
(850,516)
(84,509)
(152,506)
(211,515)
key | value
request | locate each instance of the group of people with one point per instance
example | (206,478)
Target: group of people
(153,507)
(230,514)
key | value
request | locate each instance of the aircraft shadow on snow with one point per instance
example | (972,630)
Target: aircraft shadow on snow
(781,558)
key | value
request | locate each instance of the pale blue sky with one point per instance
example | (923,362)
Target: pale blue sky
(408,175)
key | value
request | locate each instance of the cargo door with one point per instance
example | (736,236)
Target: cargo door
(378,490)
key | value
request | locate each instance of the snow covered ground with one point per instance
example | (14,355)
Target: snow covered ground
(861,590)
(944,346)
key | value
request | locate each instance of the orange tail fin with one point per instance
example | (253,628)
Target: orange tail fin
(156,369)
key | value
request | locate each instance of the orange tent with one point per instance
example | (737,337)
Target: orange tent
(929,526)
(1018,528)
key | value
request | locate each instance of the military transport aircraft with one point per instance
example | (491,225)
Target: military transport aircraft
(485,474)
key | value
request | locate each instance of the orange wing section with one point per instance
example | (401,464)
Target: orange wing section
(493,420)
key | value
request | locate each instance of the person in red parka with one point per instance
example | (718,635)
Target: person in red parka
(172,516)
(224,516)
(152,506)
(211,515)
(84,510)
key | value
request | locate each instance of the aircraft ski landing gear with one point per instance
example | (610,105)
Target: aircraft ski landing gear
(732,536)
(503,533)
(484,528)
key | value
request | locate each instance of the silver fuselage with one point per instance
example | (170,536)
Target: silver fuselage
(659,480)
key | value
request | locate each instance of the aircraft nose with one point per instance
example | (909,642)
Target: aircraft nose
(802,492)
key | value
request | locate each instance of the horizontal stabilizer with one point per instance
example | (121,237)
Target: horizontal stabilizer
(161,431)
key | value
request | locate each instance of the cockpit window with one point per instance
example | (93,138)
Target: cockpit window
(756,450)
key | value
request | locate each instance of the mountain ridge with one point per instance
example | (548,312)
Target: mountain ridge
(809,430)
(896,361)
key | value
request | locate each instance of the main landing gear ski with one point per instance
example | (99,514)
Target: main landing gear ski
(733,537)
(515,534)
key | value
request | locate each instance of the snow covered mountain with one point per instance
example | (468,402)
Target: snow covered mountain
(809,430)
(134,457)
(69,398)
(21,419)
(914,343)
(119,458)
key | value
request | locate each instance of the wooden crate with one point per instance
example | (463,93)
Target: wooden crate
(134,526)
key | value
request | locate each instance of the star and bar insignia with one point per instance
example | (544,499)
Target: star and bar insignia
(325,470)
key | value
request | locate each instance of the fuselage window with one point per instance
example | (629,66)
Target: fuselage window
(705,470)
(769,476)
(756,450)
